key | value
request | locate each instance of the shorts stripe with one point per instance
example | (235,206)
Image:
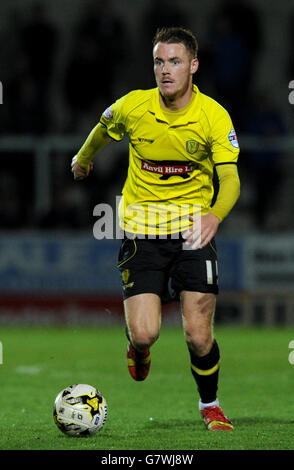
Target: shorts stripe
(209,272)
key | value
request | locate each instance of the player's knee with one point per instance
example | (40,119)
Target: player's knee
(142,339)
(199,343)
(198,323)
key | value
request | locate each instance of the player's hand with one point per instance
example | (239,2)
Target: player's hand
(79,172)
(198,236)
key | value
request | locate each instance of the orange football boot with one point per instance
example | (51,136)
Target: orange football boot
(215,419)
(138,363)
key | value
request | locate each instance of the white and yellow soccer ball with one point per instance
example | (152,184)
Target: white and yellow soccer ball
(80,410)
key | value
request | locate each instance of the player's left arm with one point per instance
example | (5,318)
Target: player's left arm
(225,151)
(228,194)
(229,190)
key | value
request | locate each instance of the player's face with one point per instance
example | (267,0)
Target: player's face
(174,68)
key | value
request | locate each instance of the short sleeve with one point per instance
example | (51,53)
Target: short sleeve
(223,138)
(114,119)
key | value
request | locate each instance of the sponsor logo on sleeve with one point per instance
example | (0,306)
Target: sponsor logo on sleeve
(233,139)
(107,113)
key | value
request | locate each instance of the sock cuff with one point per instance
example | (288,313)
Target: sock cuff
(202,405)
(208,363)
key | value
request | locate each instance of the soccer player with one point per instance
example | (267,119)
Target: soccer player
(177,135)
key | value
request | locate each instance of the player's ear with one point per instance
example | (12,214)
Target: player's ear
(194,65)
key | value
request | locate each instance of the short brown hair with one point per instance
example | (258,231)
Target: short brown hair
(177,34)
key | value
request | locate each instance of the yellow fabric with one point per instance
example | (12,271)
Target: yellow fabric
(172,116)
(220,423)
(96,140)
(206,372)
(171,158)
(229,190)
(145,360)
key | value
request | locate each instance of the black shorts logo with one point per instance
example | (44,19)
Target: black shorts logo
(125,275)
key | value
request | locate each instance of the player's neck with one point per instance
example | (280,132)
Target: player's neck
(175,103)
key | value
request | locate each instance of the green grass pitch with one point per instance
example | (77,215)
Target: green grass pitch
(255,390)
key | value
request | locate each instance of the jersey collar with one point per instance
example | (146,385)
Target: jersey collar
(192,114)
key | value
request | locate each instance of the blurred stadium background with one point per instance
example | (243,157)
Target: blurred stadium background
(62,63)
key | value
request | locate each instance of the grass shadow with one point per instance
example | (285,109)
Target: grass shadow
(253,420)
(197,423)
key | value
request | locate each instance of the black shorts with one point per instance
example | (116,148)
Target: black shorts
(163,267)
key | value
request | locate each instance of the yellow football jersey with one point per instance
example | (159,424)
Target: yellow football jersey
(171,158)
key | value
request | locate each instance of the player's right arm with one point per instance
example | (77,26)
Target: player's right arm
(112,126)
(82,162)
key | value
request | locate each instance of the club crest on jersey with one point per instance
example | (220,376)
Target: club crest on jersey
(192,146)
(233,139)
(107,113)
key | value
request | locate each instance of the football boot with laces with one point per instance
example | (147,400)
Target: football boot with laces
(215,419)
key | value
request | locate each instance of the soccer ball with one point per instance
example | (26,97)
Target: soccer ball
(80,410)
